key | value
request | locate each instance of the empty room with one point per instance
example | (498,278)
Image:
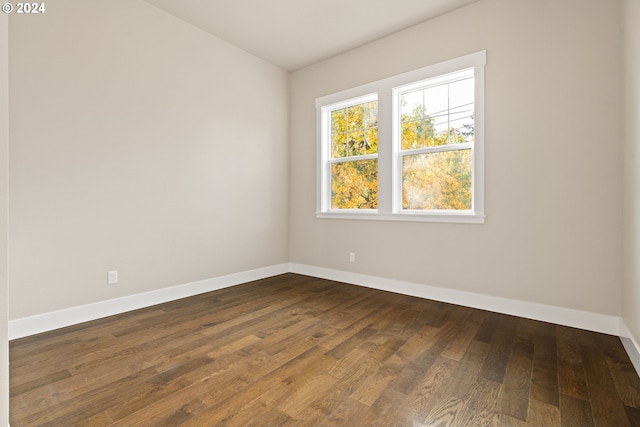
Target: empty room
(337,213)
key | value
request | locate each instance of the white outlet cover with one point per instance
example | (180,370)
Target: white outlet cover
(112,277)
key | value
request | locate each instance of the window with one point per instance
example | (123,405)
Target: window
(435,143)
(409,147)
(353,158)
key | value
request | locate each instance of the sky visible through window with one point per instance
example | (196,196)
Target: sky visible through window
(449,106)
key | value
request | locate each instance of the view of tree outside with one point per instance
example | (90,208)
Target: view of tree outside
(436,140)
(438,116)
(354,180)
(355,185)
(440,180)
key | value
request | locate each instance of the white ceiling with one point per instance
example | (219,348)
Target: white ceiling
(294,33)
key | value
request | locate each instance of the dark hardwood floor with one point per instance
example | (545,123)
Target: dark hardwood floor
(298,351)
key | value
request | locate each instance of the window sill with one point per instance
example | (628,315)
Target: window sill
(468,218)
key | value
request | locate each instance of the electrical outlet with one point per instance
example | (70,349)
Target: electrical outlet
(112,277)
(352,257)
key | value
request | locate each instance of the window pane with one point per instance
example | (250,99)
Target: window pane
(371,114)
(372,140)
(412,135)
(461,109)
(436,105)
(339,121)
(446,111)
(338,145)
(354,185)
(357,146)
(354,130)
(411,105)
(462,92)
(371,127)
(435,181)
(355,117)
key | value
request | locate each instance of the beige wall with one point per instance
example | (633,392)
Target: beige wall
(141,144)
(631,288)
(553,158)
(4,163)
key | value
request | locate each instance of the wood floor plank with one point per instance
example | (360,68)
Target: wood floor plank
(373,387)
(431,388)
(445,413)
(607,407)
(461,382)
(495,365)
(348,413)
(627,384)
(633,414)
(480,403)
(543,414)
(544,379)
(94,402)
(252,410)
(422,339)
(514,396)
(25,387)
(417,368)
(461,386)
(571,377)
(306,394)
(223,410)
(87,375)
(172,410)
(294,350)
(349,379)
(487,328)
(272,417)
(502,420)
(458,345)
(575,412)
(390,409)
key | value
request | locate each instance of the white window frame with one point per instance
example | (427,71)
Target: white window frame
(389,157)
(327,162)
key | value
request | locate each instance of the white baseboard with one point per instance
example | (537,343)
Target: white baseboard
(630,345)
(58,319)
(562,316)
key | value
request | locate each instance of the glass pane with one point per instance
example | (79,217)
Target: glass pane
(354,185)
(461,98)
(338,145)
(461,93)
(356,143)
(430,138)
(411,107)
(462,126)
(354,130)
(339,121)
(371,135)
(436,101)
(412,135)
(437,181)
(371,114)
(355,117)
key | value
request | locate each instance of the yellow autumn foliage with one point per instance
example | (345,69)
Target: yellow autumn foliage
(438,180)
